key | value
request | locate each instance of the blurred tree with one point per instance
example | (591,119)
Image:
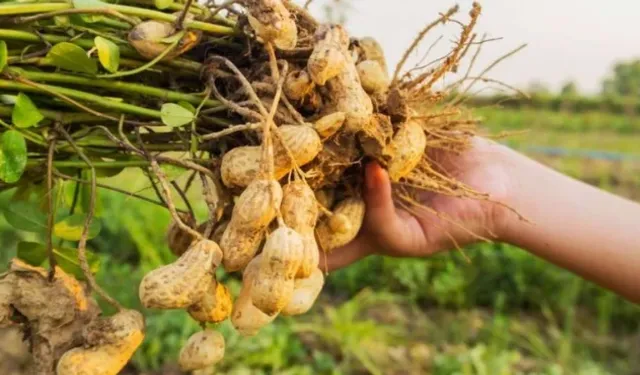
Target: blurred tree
(569,89)
(625,79)
(538,88)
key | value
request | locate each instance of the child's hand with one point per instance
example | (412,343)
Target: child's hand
(391,230)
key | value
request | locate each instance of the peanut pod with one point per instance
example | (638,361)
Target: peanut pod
(215,306)
(305,293)
(242,164)
(245,317)
(407,147)
(372,77)
(300,212)
(203,349)
(253,212)
(329,56)
(272,23)
(281,257)
(343,226)
(329,125)
(110,343)
(183,282)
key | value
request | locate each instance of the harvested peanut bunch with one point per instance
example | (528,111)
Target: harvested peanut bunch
(272,112)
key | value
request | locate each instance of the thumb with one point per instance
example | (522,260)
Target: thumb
(378,195)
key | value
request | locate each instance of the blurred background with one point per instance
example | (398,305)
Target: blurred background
(502,312)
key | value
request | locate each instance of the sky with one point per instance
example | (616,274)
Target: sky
(577,40)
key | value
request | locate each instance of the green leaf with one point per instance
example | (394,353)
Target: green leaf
(70,228)
(172,172)
(108,54)
(13,156)
(69,56)
(187,105)
(32,252)
(3,54)
(67,258)
(62,21)
(163,4)
(25,114)
(89,4)
(26,216)
(175,115)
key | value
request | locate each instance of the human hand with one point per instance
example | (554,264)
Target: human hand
(394,231)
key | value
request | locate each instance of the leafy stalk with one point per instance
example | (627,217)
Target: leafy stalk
(124,87)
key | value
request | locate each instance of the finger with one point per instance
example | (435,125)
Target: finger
(378,194)
(345,255)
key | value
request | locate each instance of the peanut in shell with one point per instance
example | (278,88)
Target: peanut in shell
(407,147)
(245,317)
(111,342)
(203,349)
(281,258)
(183,282)
(215,306)
(305,293)
(351,214)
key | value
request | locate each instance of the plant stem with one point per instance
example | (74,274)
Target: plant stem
(10,9)
(25,133)
(119,86)
(96,164)
(26,36)
(61,117)
(84,96)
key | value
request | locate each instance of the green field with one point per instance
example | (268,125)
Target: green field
(504,312)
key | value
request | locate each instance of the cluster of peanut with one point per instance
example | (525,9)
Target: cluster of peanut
(283,220)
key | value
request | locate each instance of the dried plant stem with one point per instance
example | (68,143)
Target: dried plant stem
(162,178)
(443,19)
(211,202)
(231,130)
(113,188)
(50,208)
(487,69)
(82,245)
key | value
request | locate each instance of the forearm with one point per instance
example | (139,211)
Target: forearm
(576,226)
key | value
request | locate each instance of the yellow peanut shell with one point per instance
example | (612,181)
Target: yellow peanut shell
(111,343)
(326,197)
(245,317)
(281,258)
(272,23)
(241,165)
(177,239)
(329,125)
(351,211)
(305,293)
(253,212)
(215,306)
(300,212)
(372,76)
(328,58)
(202,349)
(298,85)
(183,282)
(407,147)
(146,38)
